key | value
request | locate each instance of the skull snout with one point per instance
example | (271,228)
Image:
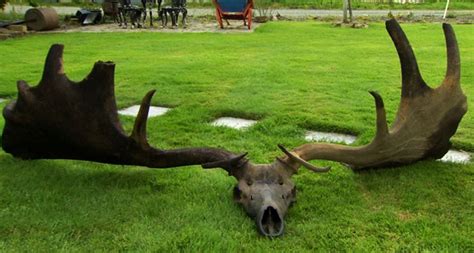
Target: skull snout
(270,221)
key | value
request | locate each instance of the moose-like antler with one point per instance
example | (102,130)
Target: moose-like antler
(61,119)
(426,118)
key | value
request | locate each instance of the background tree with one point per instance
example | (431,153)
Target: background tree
(2,4)
(346,7)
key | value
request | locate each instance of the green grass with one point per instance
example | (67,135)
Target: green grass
(291,76)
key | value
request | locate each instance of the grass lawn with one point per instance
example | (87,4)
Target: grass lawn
(290,76)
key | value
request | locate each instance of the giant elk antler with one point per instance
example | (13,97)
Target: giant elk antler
(62,119)
(425,121)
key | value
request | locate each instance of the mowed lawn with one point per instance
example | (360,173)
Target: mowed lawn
(292,77)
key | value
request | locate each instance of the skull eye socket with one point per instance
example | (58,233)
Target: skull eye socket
(281,181)
(237,193)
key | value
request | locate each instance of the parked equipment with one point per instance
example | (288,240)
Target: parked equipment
(111,9)
(177,7)
(235,10)
(38,19)
(89,17)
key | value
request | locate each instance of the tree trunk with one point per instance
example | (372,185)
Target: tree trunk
(344,11)
(349,5)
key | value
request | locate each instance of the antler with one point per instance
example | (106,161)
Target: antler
(426,117)
(61,119)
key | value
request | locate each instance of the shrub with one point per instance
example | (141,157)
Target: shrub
(2,4)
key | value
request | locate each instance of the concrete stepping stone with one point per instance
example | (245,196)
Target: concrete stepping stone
(154,111)
(330,137)
(455,156)
(235,123)
(2,100)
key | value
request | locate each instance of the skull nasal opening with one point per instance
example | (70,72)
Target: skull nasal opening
(270,222)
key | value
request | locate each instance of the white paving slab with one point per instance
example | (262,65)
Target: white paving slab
(154,111)
(235,123)
(330,137)
(2,100)
(455,156)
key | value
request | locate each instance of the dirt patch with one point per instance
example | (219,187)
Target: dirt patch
(11,33)
(195,25)
(405,216)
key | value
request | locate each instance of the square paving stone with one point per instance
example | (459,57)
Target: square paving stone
(330,137)
(455,156)
(154,111)
(235,123)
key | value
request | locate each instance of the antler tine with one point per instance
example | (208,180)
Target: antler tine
(139,128)
(53,65)
(24,94)
(382,128)
(412,82)
(230,165)
(304,163)
(453,71)
(102,80)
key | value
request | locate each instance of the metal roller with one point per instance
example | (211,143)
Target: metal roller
(42,19)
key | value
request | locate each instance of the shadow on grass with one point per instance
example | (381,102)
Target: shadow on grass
(62,174)
(84,203)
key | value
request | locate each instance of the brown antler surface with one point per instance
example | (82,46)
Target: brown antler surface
(62,119)
(425,121)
